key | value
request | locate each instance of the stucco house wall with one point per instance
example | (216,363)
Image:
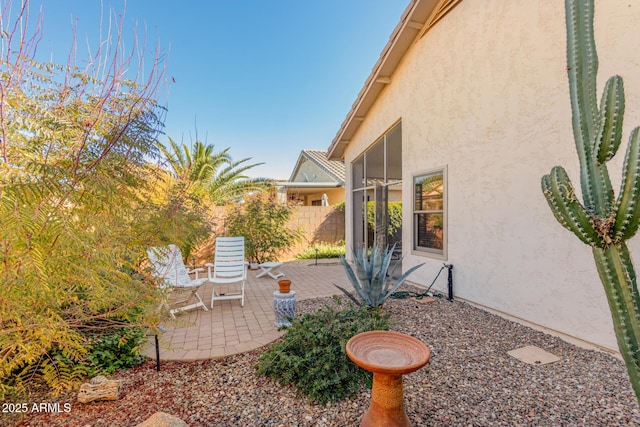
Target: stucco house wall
(484,93)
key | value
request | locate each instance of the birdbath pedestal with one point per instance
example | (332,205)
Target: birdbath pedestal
(389,355)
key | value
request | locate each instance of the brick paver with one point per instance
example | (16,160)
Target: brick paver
(229,328)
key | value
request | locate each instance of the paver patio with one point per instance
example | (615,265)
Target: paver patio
(231,329)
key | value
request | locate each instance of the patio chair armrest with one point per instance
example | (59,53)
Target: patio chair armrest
(209,266)
(195,270)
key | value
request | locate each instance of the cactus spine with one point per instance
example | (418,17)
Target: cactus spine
(602,222)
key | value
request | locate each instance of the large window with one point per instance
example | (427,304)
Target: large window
(377,181)
(429,212)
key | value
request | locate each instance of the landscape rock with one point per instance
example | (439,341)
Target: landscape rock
(162,419)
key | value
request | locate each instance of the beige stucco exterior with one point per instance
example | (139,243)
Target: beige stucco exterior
(484,93)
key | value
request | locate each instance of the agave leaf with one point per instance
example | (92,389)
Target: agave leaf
(354,280)
(377,278)
(402,278)
(369,263)
(361,263)
(376,260)
(395,267)
(349,294)
(384,268)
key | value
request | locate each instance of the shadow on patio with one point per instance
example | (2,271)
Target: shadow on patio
(231,329)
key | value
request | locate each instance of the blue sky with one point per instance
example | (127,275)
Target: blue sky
(267,78)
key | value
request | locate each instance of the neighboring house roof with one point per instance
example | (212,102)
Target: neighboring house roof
(416,20)
(314,166)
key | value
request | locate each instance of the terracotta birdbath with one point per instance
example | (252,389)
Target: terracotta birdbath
(389,355)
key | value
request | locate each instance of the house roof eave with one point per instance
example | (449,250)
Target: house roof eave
(418,17)
(295,184)
(297,166)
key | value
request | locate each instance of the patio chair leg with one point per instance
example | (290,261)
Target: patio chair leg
(201,303)
(276,275)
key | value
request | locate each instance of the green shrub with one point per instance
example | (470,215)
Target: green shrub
(324,250)
(262,220)
(394,215)
(394,218)
(117,350)
(114,348)
(312,353)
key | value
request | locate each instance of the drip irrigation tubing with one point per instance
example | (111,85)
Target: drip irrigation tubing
(418,295)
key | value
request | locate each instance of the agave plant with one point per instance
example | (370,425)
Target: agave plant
(370,280)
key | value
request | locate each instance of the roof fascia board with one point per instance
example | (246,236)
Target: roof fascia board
(304,155)
(296,168)
(418,17)
(293,184)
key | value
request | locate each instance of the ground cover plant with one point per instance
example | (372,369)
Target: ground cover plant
(312,353)
(117,349)
(323,250)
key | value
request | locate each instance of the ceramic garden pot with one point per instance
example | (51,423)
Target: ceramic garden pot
(284,286)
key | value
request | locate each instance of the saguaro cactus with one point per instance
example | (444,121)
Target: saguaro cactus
(601,221)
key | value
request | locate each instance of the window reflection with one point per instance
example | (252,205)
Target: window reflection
(429,193)
(430,230)
(428,214)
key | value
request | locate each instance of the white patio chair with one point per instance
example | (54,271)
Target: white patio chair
(229,268)
(168,265)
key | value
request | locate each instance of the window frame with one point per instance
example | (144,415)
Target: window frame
(421,250)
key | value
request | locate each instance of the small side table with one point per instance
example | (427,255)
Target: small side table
(284,307)
(270,268)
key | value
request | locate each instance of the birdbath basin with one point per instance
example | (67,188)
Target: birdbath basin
(389,355)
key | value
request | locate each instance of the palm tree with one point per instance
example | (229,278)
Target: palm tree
(211,175)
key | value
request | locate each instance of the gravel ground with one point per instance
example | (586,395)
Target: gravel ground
(470,381)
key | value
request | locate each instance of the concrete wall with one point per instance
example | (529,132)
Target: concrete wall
(485,94)
(320,224)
